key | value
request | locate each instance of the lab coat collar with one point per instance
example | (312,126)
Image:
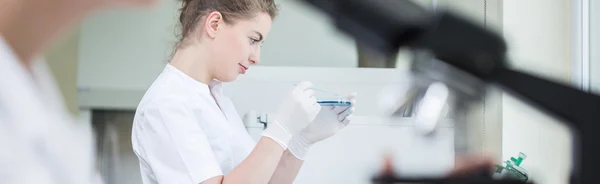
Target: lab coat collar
(214,87)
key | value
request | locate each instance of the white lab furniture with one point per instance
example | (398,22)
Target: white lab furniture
(355,154)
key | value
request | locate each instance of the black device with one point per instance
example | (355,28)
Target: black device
(385,26)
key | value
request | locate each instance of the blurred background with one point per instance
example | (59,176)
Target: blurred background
(105,65)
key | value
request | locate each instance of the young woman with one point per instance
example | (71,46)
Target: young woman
(186,131)
(40,141)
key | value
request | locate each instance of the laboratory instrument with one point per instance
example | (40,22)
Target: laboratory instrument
(469,60)
(331,102)
(512,169)
(336,102)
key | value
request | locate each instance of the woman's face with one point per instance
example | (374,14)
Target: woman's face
(236,46)
(8,8)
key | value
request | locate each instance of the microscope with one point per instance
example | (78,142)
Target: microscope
(463,59)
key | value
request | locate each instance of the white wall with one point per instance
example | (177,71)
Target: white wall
(595,46)
(121,52)
(133,46)
(125,49)
(538,33)
(62,60)
(303,36)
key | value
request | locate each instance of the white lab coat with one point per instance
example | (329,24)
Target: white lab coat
(39,141)
(182,135)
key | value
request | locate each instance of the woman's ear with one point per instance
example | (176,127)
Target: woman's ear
(212,23)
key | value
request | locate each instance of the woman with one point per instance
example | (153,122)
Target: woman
(186,131)
(40,141)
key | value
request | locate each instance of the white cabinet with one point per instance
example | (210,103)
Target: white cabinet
(355,155)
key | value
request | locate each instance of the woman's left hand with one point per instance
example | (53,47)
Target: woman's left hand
(328,122)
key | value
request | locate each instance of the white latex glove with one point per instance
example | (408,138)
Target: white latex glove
(327,123)
(298,109)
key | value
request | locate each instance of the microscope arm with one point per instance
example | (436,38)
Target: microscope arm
(578,109)
(387,25)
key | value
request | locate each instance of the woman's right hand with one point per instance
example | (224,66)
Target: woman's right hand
(298,109)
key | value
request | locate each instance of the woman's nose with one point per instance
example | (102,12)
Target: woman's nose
(255,57)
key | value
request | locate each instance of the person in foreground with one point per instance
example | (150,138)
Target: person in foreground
(40,141)
(186,131)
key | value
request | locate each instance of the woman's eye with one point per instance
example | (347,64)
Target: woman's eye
(253,41)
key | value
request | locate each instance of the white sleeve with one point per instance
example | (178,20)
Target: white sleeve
(174,146)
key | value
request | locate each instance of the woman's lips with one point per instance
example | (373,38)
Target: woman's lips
(243,69)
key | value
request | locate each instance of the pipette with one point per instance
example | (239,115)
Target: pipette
(338,102)
(331,102)
(322,91)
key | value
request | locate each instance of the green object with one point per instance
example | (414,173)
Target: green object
(512,169)
(518,161)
